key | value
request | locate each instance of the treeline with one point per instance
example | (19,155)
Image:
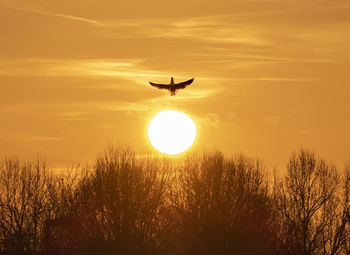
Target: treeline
(210,204)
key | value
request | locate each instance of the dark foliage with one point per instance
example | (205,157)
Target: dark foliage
(211,204)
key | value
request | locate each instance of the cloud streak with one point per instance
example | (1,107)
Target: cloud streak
(130,69)
(118,68)
(17,6)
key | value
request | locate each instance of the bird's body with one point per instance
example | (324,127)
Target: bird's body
(172,87)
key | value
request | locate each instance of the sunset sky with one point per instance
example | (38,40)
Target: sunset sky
(270,75)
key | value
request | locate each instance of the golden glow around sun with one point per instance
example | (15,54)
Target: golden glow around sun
(171,132)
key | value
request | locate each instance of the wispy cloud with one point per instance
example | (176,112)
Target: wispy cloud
(133,70)
(71,67)
(207,28)
(228,55)
(42,11)
(118,68)
(212,29)
(281,79)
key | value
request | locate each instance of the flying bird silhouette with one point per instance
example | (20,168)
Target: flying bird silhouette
(172,86)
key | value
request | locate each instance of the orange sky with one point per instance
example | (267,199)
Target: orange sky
(271,75)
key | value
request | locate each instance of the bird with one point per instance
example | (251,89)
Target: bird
(172,87)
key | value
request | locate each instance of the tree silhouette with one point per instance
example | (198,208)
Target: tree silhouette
(210,204)
(23,204)
(309,206)
(223,206)
(118,205)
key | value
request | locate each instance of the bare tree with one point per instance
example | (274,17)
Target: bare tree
(23,204)
(308,203)
(342,237)
(222,206)
(211,204)
(118,206)
(61,226)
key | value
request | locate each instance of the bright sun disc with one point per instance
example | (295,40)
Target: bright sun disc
(171,132)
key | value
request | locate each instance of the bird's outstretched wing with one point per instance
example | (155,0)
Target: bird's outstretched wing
(160,86)
(184,84)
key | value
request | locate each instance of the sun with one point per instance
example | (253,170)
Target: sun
(171,132)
